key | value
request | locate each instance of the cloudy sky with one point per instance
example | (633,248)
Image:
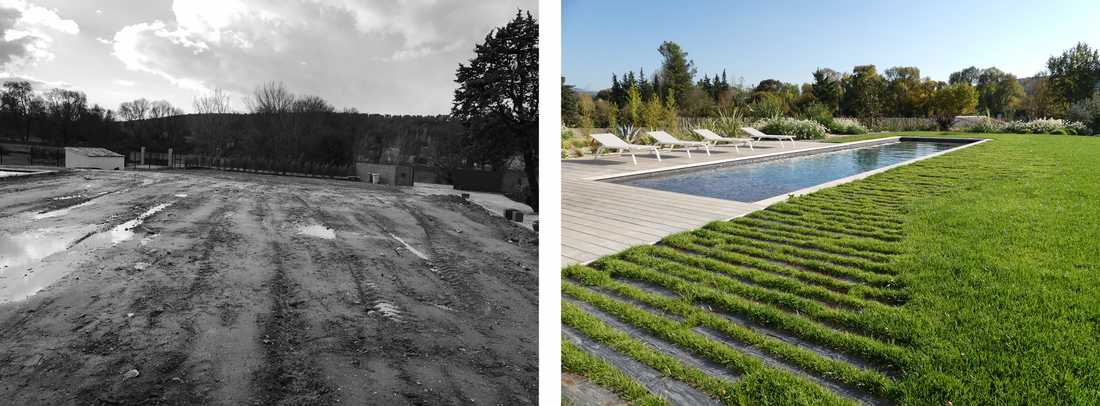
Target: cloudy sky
(378,56)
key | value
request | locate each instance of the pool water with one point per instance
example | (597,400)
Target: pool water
(762,180)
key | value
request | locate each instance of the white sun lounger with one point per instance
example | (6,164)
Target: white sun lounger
(757,135)
(664,138)
(609,141)
(715,139)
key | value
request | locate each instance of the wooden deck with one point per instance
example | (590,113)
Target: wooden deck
(602,218)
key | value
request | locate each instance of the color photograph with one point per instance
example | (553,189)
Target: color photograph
(843,202)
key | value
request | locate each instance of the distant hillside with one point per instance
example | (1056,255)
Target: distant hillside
(326,137)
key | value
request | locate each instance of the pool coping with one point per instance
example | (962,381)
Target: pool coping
(780,155)
(966,142)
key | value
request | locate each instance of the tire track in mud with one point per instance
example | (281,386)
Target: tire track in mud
(85,362)
(450,266)
(454,255)
(426,370)
(289,375)
(169,310)
(445,298)
(104,187)
(387,341)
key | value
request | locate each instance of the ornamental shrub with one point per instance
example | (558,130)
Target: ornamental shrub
(986,125)
(846,126)
(800,129)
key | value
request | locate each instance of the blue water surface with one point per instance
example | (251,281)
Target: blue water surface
(759,181)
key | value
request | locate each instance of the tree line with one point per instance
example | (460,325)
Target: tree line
(278,126)
(1070,79)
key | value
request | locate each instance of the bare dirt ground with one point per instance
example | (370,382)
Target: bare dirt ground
(221,288)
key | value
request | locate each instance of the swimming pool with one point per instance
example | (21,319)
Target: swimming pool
(751,182)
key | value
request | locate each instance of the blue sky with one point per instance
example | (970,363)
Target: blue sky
(788,40)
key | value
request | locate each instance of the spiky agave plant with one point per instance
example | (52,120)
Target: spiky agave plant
(627,131)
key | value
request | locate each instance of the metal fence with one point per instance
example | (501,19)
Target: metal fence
(32,155)
(169,160)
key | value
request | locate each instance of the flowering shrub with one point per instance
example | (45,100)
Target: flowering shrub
(1046,126)
(986,125)
(1077,128)
(800,129)
(1040,126)
(846,126)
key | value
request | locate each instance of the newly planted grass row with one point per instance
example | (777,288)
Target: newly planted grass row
(756,380)
(810,283)
(602,373)
(964,279)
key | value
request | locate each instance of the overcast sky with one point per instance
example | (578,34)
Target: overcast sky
(378,56)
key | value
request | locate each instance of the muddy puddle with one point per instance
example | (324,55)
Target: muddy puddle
(31,246)
(30,261)
(410,247)
(317,230)
(60,212)
(388,310)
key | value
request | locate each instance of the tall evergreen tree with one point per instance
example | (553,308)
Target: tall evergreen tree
(497,100)
(658,87)
(644,86)
(618,92)
(677,72)
(723,86)
(570,109)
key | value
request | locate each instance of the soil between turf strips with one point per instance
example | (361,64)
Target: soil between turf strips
(219,298)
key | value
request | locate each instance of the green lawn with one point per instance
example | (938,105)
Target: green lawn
(973,277)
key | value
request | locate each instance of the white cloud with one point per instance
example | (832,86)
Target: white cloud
(382,56)
(26,31)
(37,84)
(123,82)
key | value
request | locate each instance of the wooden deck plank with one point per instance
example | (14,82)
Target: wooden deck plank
(601,218)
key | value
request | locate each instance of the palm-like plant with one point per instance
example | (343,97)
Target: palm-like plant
(729,121)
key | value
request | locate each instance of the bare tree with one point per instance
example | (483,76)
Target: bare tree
(134,110)
(312,104)
(210,123)
(18,98)
(271,98)
(162,109)
(216,102)
(66,107)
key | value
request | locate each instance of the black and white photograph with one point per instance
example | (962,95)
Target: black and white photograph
(261,202)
